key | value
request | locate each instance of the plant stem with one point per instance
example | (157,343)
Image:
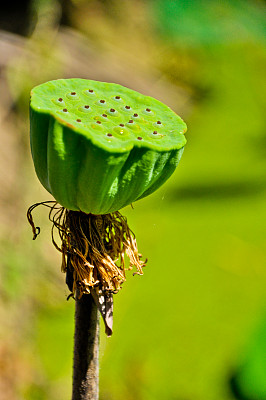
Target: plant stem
(86,350)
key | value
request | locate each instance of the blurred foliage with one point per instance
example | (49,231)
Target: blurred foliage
(249,380)
(210,23)
(181,329)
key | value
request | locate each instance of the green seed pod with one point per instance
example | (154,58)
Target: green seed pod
(98,146)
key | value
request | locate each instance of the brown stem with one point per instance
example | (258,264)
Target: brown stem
(86,350)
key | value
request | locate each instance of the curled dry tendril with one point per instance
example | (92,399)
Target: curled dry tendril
(93,248)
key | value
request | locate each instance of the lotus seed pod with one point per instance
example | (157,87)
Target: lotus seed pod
(98,146)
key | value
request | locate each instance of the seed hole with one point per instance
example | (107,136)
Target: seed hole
(102,101)
(112,110)
(127,107)
(65,110)
(135,115)
(104,115)
(131,121)
(139,138)
(155,132)
(159,122)
(73,93)
(121,125)
(109,134)
(98,122)
(90,90)
(60,99)
(148,109)
(87,106)
(78,120)
(117,97)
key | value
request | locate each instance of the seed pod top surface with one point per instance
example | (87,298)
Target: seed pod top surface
(99,146)
(110,115)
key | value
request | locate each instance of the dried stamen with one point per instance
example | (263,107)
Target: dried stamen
(93,248)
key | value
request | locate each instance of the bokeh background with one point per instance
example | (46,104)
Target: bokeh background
(185,328)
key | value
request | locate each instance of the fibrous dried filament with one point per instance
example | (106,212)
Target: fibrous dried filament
(93,248)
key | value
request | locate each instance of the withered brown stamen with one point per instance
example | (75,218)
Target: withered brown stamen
(86,253)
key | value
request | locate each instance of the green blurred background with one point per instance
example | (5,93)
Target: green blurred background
(183,329)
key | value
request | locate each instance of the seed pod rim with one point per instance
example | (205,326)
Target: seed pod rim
(178,141)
